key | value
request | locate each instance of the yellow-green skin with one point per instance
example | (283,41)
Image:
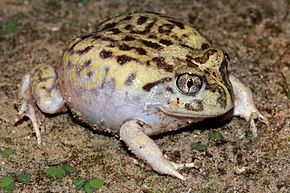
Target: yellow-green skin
(127,70)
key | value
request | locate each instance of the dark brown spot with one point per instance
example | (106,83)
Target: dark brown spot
(166,42)
(128,38)
(128,27)
(87,63)
(107,39)
(175,37)
(179,24)
(90,74)
(142,20)
(141,51)
(96,37)
(111,45)
(105,54)
(206,72)
(147,63)
(161,64)
(204,46)
(84,51)
(203,59)
(150,44)
(129,80)
(166,28)
(109,25)
(146,30)
(115,31)
(221,100)
(152,36)
(76,41)
(123,59)
(169,89)
(129,17)
(147,87)
(124,47)
(185,36)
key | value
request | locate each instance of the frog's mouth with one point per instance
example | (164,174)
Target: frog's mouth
(193,115)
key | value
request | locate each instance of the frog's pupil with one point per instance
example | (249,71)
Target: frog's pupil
(189,83)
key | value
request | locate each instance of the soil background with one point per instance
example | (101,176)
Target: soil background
(255,34)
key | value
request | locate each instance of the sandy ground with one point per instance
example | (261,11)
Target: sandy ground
(256,34)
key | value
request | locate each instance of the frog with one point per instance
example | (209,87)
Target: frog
(137,75)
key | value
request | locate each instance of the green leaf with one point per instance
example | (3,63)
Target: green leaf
(9,27)
(215,136)
(55,172)
(7,152)
(6,181)
(86,1)
(79,183)
(24,178)
(70,169)
(286,87)
(89,188)
(96,183)
(10,188)
(198,146)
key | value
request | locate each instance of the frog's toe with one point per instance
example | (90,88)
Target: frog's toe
(146,149)
(28,108)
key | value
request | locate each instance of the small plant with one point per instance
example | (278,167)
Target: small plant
(60,172)
(215,136)
(8,183)
(285,84)
(7,152)
(85,1)
(8,27)
(88,185)
(198,146)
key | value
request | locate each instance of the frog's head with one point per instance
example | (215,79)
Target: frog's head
(201,86)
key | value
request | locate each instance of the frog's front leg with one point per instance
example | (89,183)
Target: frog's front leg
(39,93)
(244,104)
(146,149)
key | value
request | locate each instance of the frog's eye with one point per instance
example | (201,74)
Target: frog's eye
(188,84)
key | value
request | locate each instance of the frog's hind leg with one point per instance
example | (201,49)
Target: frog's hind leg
(39,93)
(146,149)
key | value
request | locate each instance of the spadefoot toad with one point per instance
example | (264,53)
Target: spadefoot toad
(138,75)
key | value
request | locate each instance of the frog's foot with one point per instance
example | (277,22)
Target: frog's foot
(146,149)
(244,104)
(39,93)
(28,108)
